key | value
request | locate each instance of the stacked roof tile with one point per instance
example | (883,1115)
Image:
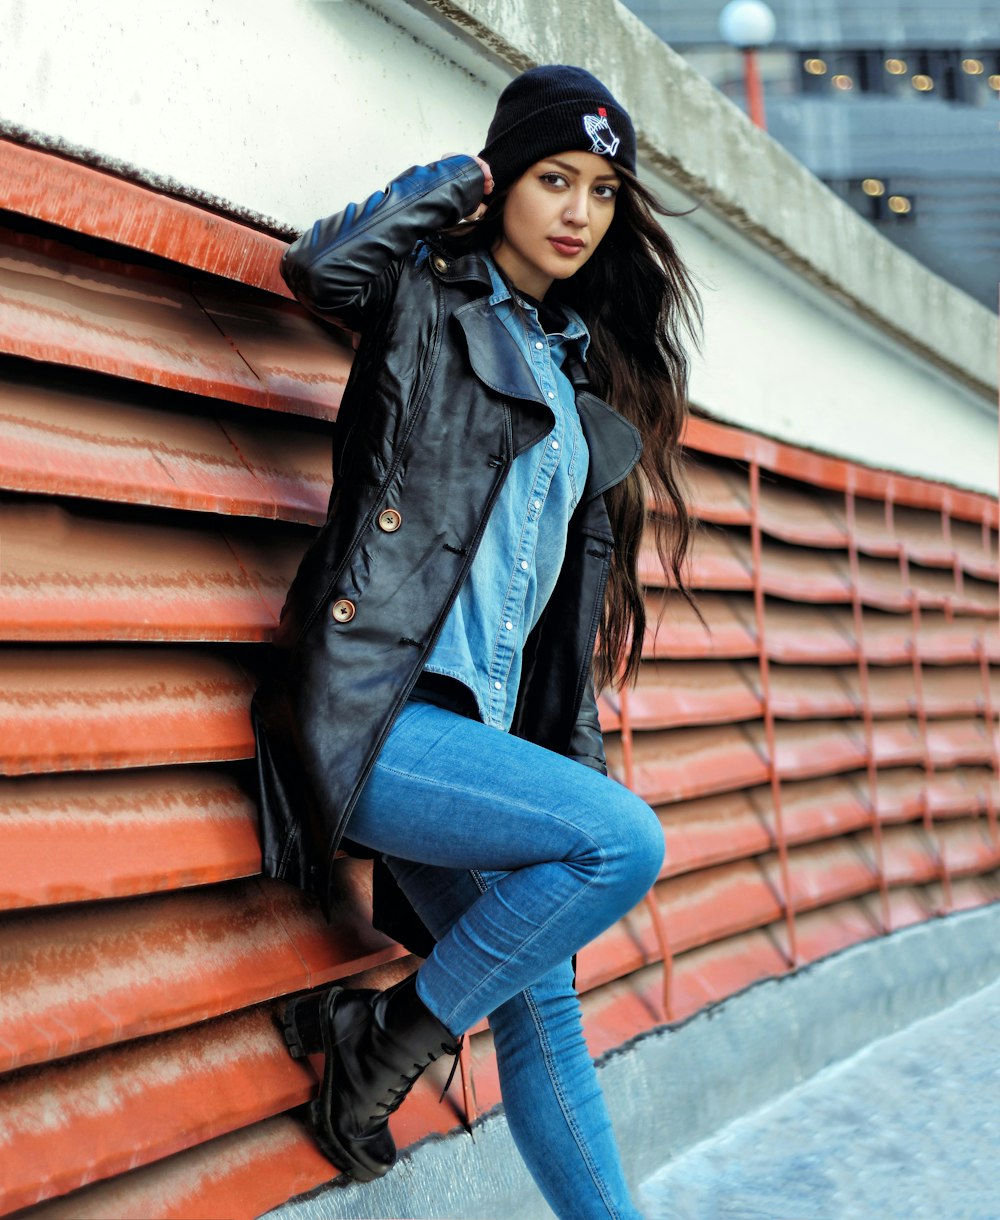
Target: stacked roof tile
(822,751)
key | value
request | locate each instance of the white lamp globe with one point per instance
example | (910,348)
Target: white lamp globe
(747,24)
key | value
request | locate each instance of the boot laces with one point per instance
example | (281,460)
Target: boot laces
(455,1051)
(394,1099)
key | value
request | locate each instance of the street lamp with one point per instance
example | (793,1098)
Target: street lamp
(748,25)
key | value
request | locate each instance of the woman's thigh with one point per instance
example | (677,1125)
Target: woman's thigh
(452,792)
(440,896)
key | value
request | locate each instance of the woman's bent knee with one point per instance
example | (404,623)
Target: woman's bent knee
(649,850)
(634,841)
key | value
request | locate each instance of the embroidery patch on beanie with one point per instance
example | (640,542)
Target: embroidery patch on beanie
(604,142)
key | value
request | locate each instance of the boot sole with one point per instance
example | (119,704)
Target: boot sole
(334,1151)
(300,1024)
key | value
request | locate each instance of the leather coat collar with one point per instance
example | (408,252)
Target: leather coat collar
(615,445)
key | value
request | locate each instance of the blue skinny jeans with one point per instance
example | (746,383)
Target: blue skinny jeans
(515,857)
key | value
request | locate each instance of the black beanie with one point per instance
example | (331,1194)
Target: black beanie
(551,109)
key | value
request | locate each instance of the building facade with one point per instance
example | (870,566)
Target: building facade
(894,105)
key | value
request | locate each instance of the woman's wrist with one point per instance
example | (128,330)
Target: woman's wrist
(487,184)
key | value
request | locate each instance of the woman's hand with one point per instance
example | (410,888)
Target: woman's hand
(487,186)
(487,174)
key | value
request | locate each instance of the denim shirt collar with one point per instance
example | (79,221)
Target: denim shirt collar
(614,444)
(574,330)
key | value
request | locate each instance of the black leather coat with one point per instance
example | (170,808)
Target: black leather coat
(438,404)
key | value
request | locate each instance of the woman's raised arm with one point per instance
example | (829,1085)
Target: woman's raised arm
(343,267)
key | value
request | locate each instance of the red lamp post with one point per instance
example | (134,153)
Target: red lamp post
(749,25)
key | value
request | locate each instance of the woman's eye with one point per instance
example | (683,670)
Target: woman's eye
(553,179)
(606,192)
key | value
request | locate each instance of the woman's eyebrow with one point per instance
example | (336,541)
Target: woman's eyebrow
(572,169)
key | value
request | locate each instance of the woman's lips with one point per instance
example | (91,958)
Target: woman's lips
(567,246)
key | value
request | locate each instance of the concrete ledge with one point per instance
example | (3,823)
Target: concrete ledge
(700,142)
(673,1087)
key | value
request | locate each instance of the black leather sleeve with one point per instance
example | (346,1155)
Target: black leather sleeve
(343,267)
(587,742)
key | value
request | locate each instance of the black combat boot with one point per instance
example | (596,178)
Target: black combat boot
(376,1044)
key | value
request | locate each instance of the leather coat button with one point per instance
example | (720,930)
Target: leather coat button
(390,519)
(343,610)
(440,264)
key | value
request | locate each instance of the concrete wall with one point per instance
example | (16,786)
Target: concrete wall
(817,330)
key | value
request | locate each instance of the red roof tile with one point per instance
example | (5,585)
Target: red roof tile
(63,307)
(71,577)
(131,454)
(74,838)
(107,708)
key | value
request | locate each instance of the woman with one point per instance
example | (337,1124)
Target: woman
(432,698)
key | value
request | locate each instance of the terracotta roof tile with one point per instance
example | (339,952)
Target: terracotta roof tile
(71,577)
(133,454)
(105,708)
(75,838)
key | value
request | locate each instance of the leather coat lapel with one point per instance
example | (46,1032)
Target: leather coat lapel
(615,445)
(495,357)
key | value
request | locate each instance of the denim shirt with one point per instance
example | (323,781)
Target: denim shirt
(522,548)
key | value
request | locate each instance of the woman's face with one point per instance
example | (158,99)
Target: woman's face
(554,218)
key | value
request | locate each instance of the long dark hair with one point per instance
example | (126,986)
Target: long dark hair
(638,302)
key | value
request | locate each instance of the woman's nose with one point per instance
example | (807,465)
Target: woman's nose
(576,211)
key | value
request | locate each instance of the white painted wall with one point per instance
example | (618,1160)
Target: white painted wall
(283,106)
(293,107)
(783,358)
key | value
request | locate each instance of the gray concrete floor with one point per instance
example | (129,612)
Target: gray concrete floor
(908,1127)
